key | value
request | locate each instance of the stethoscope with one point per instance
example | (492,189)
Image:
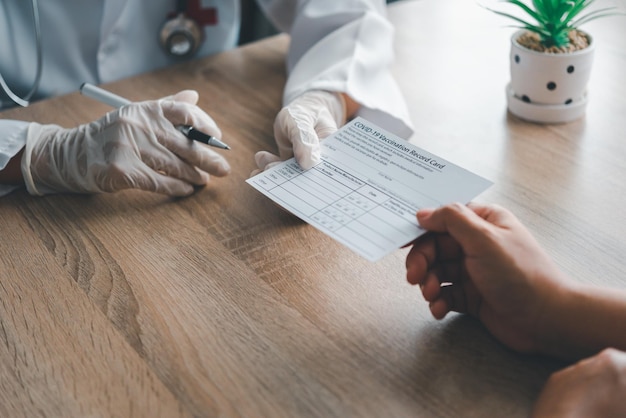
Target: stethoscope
(23,101)
(180,36)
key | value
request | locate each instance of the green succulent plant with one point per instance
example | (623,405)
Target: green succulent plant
(554,19)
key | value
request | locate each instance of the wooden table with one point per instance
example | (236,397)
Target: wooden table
(138,305)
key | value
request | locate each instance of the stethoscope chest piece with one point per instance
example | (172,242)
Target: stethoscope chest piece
(181,36)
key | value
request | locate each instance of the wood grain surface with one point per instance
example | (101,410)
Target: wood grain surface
(221,304)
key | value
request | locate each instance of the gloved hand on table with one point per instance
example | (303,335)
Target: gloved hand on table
(136,146)
(299,127)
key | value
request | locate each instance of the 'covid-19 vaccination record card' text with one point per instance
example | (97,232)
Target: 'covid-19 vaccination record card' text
(367,188)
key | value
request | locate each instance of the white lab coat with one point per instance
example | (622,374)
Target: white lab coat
(335,45)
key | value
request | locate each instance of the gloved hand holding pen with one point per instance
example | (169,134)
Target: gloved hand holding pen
(300,125)
(137,146)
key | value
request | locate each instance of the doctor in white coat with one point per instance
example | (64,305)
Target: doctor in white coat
(338,67)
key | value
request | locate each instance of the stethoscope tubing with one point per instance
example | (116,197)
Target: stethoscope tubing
(24,101)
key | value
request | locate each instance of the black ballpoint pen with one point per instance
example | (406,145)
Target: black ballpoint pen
(192,133)
(116,101)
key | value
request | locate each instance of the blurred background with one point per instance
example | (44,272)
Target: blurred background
(254,25)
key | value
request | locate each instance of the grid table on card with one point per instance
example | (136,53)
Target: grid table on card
(343,206)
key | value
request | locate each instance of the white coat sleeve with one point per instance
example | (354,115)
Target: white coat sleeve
(344,46)
(12,140)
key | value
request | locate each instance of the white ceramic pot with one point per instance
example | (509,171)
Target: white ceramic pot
(548,87)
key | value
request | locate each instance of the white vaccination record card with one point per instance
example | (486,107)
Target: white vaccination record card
(367,188)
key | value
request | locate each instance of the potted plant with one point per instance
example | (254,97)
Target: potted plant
(550,58)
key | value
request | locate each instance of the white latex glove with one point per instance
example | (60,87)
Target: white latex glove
(136,146)
(299,127)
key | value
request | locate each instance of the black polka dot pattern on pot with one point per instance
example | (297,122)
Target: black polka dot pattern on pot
(550,85)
